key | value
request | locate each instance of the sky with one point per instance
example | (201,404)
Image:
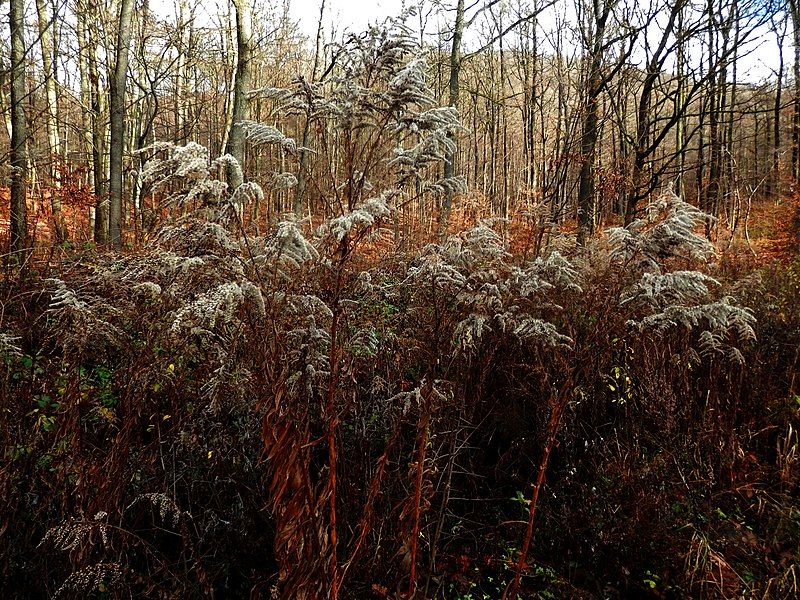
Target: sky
(353,14)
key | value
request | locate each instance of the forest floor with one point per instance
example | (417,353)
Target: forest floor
(774,228)
(771,231)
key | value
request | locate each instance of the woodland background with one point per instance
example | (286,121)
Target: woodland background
(490,300)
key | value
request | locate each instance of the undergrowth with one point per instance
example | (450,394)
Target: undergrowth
(325,414)
(307,416)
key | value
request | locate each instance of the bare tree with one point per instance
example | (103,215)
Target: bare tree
(794,12)
(593,123)
(300,188)
(46,39)
(94,106)
(462,22)
(779,25)
(153,65)
(652,92)
(118,84)
(19,128)
(529,67)
(598,37)
(186,17)
(453,90)
(242,85)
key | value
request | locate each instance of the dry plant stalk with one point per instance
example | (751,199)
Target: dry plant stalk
(422,445)
(553,427)
(333,421)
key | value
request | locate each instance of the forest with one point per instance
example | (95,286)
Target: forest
(489,300)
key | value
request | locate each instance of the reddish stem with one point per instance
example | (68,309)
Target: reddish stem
(333,423)
(422,440)
(553,427)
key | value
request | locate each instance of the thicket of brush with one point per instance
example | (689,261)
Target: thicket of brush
(323,416)
(319,414)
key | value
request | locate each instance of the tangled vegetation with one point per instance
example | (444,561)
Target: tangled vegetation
(322,415)
(340,412)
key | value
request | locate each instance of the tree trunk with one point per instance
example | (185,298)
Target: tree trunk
(732,205)
(794,10)
(455,72)
(5,100)
(505,200)
(118,122)
(589,128)
(776,138)
(19,129)
(531,97)
(300,189)
(146,103)
(242,85)
(680,126)
(643,183)
(718,110)
(186,17)
(712,188)
(46,22)
(86,94)
(586,188)
(98,110)
(503,121)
